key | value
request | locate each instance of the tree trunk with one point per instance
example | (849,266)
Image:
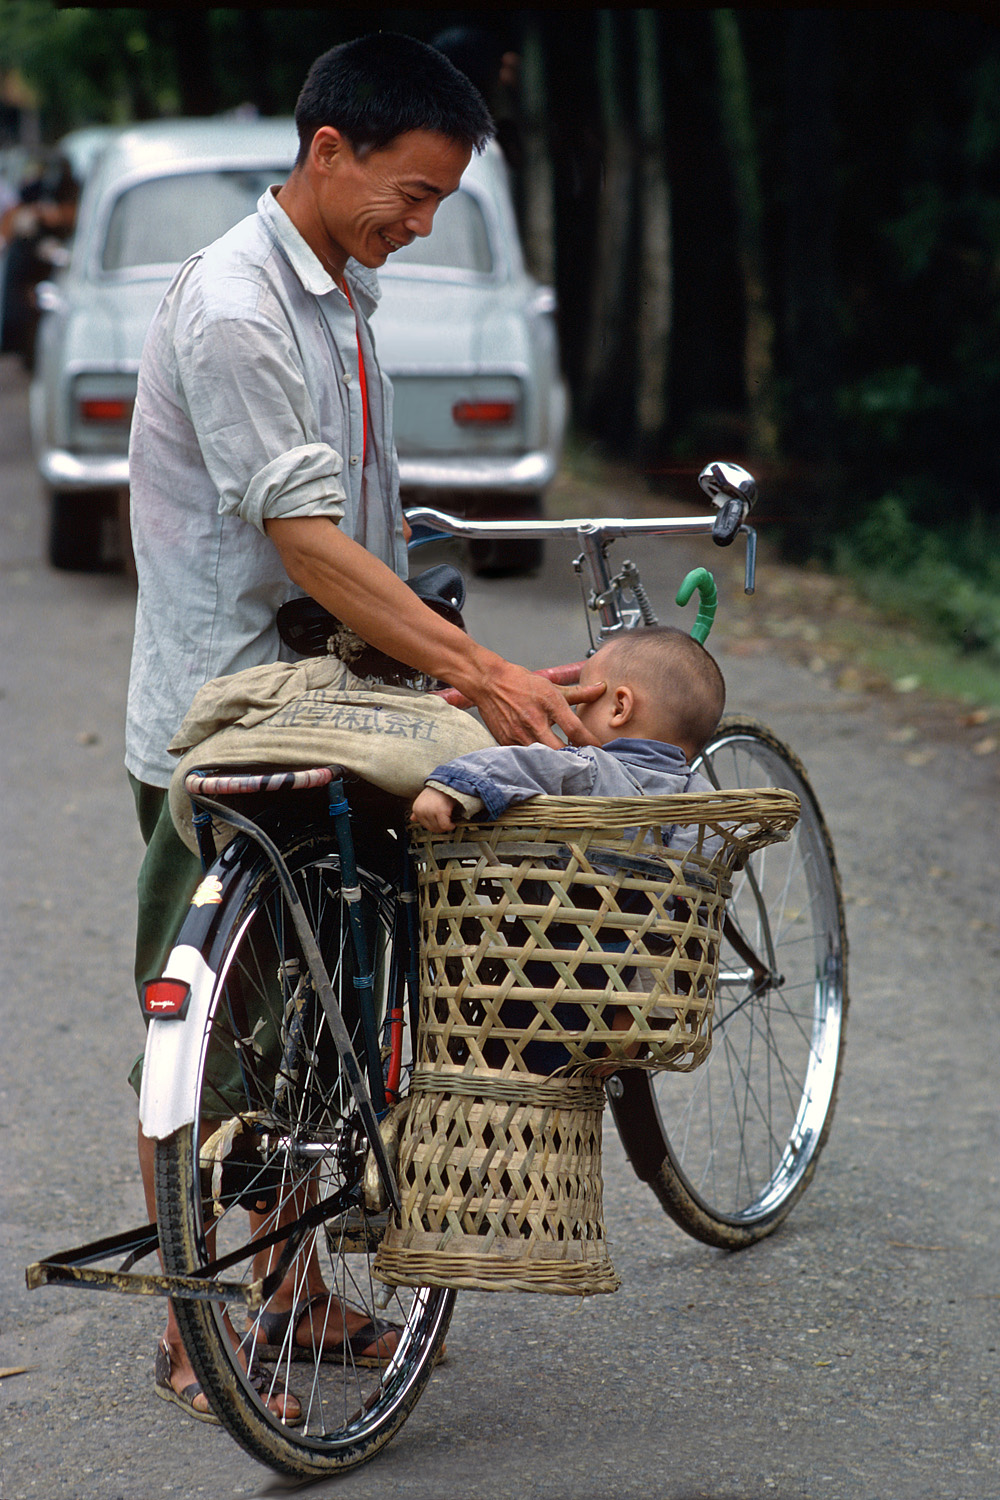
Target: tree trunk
(810,306)
(539,212)
(655,268)
(602,365)
(810,297)
(741,147)
(193,54)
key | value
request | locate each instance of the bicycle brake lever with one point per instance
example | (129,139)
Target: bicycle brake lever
(728,522)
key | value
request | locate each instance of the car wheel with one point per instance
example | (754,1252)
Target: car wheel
(507,559)
(84,531)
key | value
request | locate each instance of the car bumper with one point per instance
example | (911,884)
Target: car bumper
(525,474)
(62,470)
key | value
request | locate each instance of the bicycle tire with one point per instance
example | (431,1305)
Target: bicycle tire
(296,1141)
(731,1147)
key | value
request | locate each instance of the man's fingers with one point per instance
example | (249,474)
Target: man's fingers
(571,727)
(588,694)
(577,734)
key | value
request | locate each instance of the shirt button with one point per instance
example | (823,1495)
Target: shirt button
(354,458)
(346,377)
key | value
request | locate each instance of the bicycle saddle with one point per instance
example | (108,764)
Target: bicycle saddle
(311,630)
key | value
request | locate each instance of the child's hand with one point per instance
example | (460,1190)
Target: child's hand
(434,810)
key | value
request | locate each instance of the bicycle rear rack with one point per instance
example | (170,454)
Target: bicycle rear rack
(70,1267)
(75,1267)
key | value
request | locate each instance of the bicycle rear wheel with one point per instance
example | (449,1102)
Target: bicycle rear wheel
(729,1148)
(276,1135)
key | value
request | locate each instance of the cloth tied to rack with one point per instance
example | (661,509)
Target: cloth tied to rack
(316,712)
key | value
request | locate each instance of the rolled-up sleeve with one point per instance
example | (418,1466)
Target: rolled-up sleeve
(301,482)
(257,424)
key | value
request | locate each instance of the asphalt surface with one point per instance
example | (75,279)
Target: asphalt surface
(853,1356)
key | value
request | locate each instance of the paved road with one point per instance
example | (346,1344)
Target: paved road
(855,1356)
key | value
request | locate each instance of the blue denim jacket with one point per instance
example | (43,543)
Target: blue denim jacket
(489,781)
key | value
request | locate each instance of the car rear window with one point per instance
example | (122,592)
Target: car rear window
(459,239)
(163,221)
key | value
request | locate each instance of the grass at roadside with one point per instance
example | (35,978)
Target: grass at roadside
(828,624)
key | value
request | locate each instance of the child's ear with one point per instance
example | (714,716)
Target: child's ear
(623,707)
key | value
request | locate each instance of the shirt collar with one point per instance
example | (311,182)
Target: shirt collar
(654,755)
(307,265)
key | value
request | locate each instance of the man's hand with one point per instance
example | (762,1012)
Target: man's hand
(521,708)
(434,810)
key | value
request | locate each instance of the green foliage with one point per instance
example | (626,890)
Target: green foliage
(946,580)
(85,66)
(923,408)
(886,403)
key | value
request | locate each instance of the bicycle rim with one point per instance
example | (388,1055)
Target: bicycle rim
(277,1135)
(739,1137)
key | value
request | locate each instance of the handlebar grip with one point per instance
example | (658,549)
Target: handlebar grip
(708,601)
(728,522)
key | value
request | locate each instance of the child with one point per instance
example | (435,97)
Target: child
(663,698)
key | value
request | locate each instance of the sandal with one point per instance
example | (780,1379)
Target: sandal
(272,1337)
(185,1399)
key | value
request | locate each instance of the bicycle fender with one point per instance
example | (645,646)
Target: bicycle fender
(173,1048)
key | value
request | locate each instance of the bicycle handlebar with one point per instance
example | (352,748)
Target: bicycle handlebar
(582,529)
(604,528)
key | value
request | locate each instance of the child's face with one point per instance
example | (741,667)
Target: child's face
(594,716)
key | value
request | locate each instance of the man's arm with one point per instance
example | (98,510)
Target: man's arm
(517,707)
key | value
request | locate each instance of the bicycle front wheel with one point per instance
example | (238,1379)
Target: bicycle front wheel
(729,1148)
(276,1140)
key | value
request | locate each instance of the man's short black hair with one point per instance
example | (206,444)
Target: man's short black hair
(378,87)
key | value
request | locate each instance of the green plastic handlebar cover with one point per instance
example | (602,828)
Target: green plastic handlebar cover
(702,580)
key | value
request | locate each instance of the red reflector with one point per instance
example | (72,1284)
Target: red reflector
(465,412)
(105,410)
(166,998)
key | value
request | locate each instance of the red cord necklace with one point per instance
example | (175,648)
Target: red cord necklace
(362,377)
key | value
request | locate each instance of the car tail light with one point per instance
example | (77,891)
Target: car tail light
(166,999)
(105,409)
(483,413)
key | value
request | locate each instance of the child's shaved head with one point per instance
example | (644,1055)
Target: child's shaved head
(681,686)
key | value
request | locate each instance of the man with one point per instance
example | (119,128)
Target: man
(262,467)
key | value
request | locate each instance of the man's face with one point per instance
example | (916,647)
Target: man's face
(371,205)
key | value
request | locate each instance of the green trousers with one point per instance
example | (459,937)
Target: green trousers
(168,877)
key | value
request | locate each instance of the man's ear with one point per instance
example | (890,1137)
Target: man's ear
(326,146)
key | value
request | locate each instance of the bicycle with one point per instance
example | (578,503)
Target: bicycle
(281,1035)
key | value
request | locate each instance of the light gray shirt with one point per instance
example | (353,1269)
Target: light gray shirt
(249,408)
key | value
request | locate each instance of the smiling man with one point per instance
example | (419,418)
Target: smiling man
(262,468)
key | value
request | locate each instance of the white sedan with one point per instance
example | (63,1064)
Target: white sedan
(466,335)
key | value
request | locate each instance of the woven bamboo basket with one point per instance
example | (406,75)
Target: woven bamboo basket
(555,950)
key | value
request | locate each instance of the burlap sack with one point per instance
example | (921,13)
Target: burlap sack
(315,712)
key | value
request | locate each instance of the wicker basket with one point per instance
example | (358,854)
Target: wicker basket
(501,1188)
(553,952)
